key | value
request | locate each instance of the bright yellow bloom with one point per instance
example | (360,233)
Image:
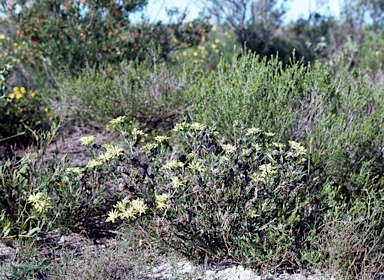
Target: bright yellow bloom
(229,149)
(2,37)
(196,166)
(253,131)
(268,169)
(23,90)
(299,149)
(174,164)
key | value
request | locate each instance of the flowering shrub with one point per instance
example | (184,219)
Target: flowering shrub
(21,111)
(244,201)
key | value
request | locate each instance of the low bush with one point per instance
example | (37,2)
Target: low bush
(155,95)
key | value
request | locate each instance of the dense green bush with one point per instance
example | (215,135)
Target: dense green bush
(155,95)
(77,34)
(338,118)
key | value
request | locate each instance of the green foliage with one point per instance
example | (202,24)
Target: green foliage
(243,201)
(19,180)
(74,35)
(156,95)
(21,111)
(304,103)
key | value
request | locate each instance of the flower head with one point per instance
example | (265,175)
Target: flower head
(94,163)
(112,216)
(177,182)
(228,148)
(117,121)
(161,201)
(180,126)
(87,140)
(299,149)
(174,164)
(253,131)
(75,170)
(139,206)
(161,138)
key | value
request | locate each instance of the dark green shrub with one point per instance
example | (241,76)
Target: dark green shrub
(74,35)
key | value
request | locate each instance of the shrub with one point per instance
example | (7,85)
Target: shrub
(20,202)
(22,111)
(244,201)
(155,95)
(75,35)
(337,118)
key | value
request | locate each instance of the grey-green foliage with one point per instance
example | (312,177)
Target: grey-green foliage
(153,94)
(339,118)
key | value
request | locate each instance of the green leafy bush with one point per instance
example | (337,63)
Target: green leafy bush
(19,181)
(73,35)
(244,201)
(337,118)
(155,95)
(21,112)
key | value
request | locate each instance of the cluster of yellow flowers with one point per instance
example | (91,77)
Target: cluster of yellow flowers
(40,202)
(135,208)
(19,93)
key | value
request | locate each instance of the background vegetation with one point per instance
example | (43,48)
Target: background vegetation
(251,141)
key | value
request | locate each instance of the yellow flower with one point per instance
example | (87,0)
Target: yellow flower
(137,132)
(112,216)
(299,149)
(195,53)
(40,202)
(161,139)
(121,205)
(217,41)
(149,147)
(93,163)
(229,149)
(23,91)
(128,213)
(268,169)
(18,95)
(213,46)
(196,126)
(253,131)
(180,126)
(75,170)
(177,182)
(161,201)
(32,94)
(139,206)
(11,95)
(87,140)
(2,37)
(196,166)
(118,120)
(174,164)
